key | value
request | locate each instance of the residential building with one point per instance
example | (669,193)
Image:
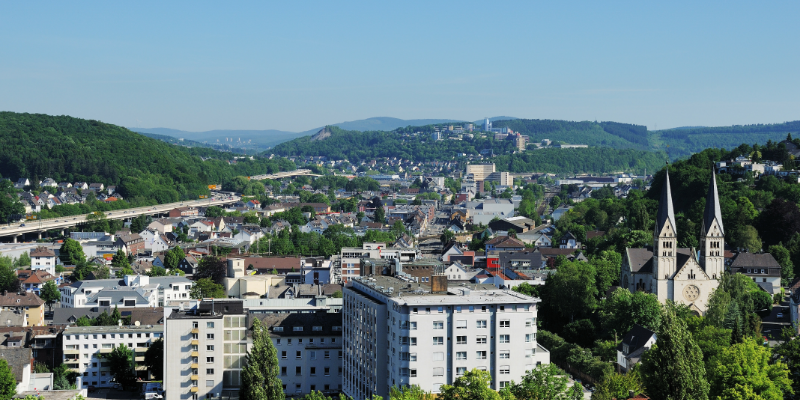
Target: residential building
(761,268)
(309,349)
(398,332)
(45,259)
(33,280)
(634,344)
(20,360)
(569,241)
(28,303)
(84,349)
(504,243)
(205,349)
(130,243)
(132,291)
(184,212)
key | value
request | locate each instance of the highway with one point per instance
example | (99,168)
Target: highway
(34,226)
(280,175)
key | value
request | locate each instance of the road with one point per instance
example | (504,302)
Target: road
(33,226)
(279,175)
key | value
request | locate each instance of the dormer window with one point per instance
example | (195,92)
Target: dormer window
(297,329)
(277,329)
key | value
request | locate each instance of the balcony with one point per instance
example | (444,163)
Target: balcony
(194,377)
(195,354)
(195,342)
(139,359)
(106,351)
(195,366)
(193,389)
(72,351)
(195,330)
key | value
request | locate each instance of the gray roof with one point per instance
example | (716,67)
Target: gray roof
(18,359)
(640,260)
(750,260)
(712,211)
(11,318)
(665,210)
(117,296)
(325,320)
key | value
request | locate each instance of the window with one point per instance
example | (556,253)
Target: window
(438,341)
(480,340)
(413,343)
(505,338)
(528,323)
(327,371)
(209,371)
(503,384)
(505,323)
(298,355)
(461,324)
(298,371)
(438,324)
(277,329)
(403,356)
(458,309)
(209,324)
(412,325)
(440,310)
(439,371)
(210,336)
(297,328)
(313,371)
(505,370)
(528,337)
(316,328)
(283,371)
(505,355)
(461,340)
(312,355)
(461,355)
(283,355)
(438,356)
(210,360)
(412,372)
(327,354)
(528,353)
(471,308)
(481,324)
(460,371)
(210,347)
(480,355)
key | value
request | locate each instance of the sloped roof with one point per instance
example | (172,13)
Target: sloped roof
(41,251)
(640,260)
(750,260)
(712,211)
(18,359)
(665,210)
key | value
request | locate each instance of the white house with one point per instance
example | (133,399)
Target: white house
(634,344)
(133,291)
(44,259)
(154,240)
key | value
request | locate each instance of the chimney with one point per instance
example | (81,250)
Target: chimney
(438,283)
(631,394)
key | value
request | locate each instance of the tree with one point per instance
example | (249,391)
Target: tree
(8,276)
(748,239)
(527,289)
(545,382)
(623,309)
(157,271)
(618,386)
(71,252)
(84,321)
(40,368)
(154,359)
(63,377)
(24,260)
(784,259)
(408,393)
(174,257)
(569,293)
(474,385)
(673,368)
(8,384)
(380,215)
(120,363)
(212,268)
(102,272)
(205,288)
(139,223)
(120,260)
(744,371)
(788,352)
(337,294)
(447,236)
(214,212)
(50,294)
(260,380)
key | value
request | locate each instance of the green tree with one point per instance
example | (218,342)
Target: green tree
(744,371)
(40,368)
(380,215)
(63,377)
(205,288)
(545,382)
(260,379)
(749,239)
(623,309)
(527,289)
(24,260)
(157,271)
(84,321)
(673,368)
(213,268)
(447,236)
(570,292)
(8,384)
(102,272)
(71,252)
(337,294)
(120,363)
(50,294)
(788,353)
(618,386)
(8,275)
(120,260)
(154,359)
(409,393)
(784,259)
(174,257)
(474,385)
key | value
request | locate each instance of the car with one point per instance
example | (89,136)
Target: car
(74,219)
(780,315)
(21,224)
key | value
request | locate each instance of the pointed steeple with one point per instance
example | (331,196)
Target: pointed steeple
(712,211)
(665,210)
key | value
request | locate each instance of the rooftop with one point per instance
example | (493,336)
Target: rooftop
(404,291)
(79,330)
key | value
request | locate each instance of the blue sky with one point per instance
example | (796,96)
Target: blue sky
(298,65)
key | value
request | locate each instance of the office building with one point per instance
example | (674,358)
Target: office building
(398,332)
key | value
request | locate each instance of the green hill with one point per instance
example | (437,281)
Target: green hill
(681,142)
(37,146)
(609,134)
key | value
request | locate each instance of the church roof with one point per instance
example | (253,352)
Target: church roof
(665,210)
(712,207)
(640,260)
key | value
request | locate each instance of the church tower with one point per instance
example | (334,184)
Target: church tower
(665,244)
(712,234)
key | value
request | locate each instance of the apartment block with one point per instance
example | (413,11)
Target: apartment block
(309,350)
(399,332)
(205,349)
(348,264)
(85,346)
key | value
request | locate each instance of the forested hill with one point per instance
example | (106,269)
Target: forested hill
(610,134)
(684,141)
(37,146)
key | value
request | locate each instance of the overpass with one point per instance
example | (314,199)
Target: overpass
(280,175)
(42,225)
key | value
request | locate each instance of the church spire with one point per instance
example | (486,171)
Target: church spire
(712,211)
(665,210)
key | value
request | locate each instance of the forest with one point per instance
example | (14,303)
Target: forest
(37,146)
(601,160)
(611,134)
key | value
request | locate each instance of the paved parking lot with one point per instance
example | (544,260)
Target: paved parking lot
(114,394)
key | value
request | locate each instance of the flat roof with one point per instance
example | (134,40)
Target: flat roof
(77,330)
(413,293)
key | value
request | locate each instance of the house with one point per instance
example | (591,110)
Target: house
(44,259)
(130,243)
(154,241)
(249,233)
(184,212)
(81,185)
(48,182)
(96,187)
(33,280)
(28,303)
(21,183)
(536,239)
(504,243)
(188,265)
(521,260)
(637,341)
(451,249)
(761,268)
(518,224)
(20,359)
(568,241)
(794,311)
(161,225)
(10,318)
(459,272)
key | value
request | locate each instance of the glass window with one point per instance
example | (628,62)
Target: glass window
(461,355)
(481,324)
(438,324)
(209,324)
(460,371)
(438,356)
(481,355)
(438,340)
(505,338)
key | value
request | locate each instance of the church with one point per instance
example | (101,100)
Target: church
(686,276)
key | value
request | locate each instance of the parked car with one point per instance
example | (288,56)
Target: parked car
(780,315)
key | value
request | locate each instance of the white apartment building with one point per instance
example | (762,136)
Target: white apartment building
(349,260)
(132,291)
(85,346)
(397,332)
(205,349)
(309,350)
(45,259)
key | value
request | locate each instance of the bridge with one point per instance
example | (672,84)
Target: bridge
(280,175)
(42,225)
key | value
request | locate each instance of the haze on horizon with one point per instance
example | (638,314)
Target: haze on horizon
(199,66)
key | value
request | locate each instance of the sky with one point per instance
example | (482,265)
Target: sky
(294,66)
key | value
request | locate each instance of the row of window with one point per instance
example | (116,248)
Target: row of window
(298,371)
(112,336)
(462,324)
(439,340)
(440,310)
(278,341)
(312,355)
